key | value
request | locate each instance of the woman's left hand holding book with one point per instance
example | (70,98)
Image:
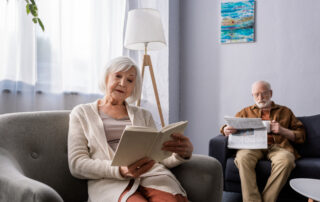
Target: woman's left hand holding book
(137,168)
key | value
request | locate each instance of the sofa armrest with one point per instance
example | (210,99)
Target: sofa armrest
(201,177)
(16,187)
(219,150)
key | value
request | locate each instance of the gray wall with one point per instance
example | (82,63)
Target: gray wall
(173,71)
(215,79)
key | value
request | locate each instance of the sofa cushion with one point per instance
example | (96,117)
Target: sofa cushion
(263,169)
(38,141)
(232,173)
(232,178)
(306,168)
(311,148)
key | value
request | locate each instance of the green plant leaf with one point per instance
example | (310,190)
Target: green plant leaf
(35,20)
(34,11)
(27,9)
(41,25)
(30,8)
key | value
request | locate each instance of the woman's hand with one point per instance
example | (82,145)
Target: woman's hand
(229,130)
(138,168)
(180,145)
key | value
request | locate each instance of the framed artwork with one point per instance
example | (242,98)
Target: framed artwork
(237,21)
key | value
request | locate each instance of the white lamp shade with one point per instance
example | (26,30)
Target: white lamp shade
(144,26)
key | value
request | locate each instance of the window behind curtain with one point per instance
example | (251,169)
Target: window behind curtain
(80,37)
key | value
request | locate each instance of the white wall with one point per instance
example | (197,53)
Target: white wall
(215,79)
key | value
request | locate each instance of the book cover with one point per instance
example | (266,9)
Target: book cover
(137,142)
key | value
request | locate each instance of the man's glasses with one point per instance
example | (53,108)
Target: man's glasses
(263,94)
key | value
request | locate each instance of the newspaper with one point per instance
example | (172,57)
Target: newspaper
(251,133)
(244,123)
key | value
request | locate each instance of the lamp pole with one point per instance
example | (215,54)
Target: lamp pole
(147,62)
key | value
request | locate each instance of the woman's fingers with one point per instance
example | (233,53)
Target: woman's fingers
(139,167)
(180,144)
(177,139)
(178,136)
(139,163)
(144,168)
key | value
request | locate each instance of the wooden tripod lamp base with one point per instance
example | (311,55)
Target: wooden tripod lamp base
(147,62)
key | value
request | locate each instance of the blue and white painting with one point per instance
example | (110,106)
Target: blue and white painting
(237,21)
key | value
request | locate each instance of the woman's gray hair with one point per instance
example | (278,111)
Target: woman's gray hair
(122,64)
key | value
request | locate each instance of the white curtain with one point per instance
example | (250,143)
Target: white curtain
(80,37)
(17,46)
(58,68)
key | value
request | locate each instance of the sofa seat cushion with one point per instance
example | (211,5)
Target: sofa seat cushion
(305,168)
(263,170)
(232,174)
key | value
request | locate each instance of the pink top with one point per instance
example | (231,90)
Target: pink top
(113,128)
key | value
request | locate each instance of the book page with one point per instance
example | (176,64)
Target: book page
(165,135)
(249,139)
(156,151)
(133,146)
(244,123)
(175,127)
(140,128)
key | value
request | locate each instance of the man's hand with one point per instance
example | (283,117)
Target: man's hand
(138,168)
(229,130)
(276,128)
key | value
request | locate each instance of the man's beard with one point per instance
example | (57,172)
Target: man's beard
(264,105)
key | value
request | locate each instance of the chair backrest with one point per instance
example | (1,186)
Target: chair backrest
(311,148)
(38,141)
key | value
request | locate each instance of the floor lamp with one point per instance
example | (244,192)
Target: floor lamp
(144,31)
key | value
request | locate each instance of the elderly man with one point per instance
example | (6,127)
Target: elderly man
(285,129)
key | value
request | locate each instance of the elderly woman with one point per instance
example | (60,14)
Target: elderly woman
(94,133)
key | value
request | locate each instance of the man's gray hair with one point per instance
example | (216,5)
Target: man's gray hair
(265,83)
(122,64)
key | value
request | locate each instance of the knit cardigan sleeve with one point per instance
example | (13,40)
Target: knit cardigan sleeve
(81,163)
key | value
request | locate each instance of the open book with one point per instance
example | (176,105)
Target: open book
(251,133)
(138,142)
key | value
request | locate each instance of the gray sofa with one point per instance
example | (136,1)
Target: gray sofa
(308,166)
(34,166)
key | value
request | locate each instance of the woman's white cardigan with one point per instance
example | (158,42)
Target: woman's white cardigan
(90,156)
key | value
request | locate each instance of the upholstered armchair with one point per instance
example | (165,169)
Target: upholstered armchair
(34,165)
